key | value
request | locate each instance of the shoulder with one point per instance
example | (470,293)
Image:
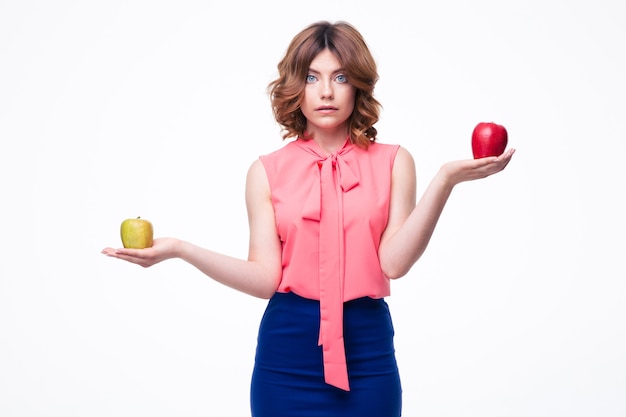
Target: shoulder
(287,148)
(404,167)
(383,150)
(392,154)
(256,171)
(383,147)
(257,182)
(403,157)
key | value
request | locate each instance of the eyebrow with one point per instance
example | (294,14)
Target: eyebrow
(339,70)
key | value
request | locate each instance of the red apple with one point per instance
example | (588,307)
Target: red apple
(488,139)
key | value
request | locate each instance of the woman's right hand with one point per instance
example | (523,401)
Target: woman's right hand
(161,249)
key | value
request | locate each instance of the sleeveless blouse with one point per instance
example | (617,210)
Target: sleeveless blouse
(330,212)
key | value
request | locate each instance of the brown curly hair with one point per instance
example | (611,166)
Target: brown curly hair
(287,91)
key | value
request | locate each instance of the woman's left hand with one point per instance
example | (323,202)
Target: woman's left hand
(473,169)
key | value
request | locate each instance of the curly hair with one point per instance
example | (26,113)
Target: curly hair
(347,44)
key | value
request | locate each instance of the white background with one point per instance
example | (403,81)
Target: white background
(115,109)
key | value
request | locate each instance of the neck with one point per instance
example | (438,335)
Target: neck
(330,142)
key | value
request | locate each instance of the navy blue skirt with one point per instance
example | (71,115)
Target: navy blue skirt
(288,376)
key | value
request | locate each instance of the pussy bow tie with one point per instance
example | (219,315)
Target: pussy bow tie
(332,178)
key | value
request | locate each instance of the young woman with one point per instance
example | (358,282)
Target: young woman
(333,218)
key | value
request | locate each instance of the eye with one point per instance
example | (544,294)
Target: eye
(341,78)
(310,78)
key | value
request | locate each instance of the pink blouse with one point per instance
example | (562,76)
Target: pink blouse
(331,211)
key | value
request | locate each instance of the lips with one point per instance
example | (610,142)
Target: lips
(326,108)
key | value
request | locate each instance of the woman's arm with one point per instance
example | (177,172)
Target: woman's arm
(259,275)
(411,226)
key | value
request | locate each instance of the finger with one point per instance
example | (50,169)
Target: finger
(135,253)
(507,155)
(132,259)
(505,161)
(130,255)
(483,162)
(108,251)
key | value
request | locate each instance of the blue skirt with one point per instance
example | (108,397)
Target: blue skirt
(288,376)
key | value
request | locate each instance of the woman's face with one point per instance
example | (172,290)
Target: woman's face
(328,95)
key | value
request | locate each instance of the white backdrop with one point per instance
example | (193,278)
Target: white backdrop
(115,109)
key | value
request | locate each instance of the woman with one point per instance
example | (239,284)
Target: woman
(333,218)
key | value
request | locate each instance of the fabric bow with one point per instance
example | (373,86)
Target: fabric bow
(333,177)
(347,178)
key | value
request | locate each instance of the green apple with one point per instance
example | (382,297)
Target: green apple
(136,233)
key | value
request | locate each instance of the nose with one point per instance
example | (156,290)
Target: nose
(326,90)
